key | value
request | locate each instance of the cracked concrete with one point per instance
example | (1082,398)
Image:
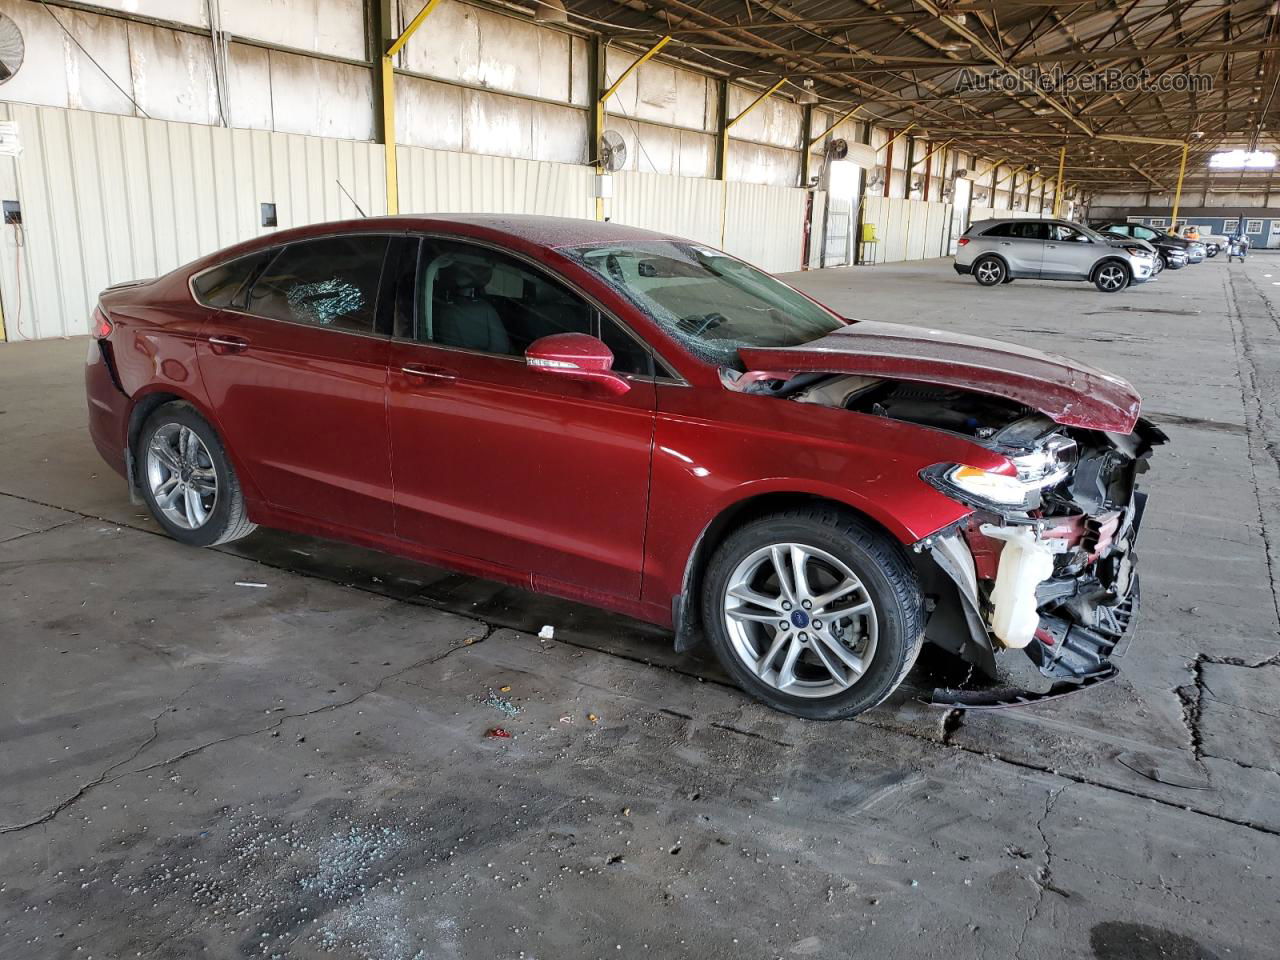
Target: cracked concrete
(197,769)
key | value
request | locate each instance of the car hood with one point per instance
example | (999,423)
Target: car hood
(1070,393)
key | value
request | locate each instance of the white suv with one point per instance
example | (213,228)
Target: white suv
(1001,251)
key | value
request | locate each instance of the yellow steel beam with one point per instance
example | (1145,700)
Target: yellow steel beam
(599,107)
(1177,193)
(389,105)
(644,57)
(935,150)
(846,116)
(1057,184)
(755,103)
(897,136)
(724,150)
(414,24)
(1013,171)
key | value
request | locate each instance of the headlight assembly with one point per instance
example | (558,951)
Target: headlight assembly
(1047,466)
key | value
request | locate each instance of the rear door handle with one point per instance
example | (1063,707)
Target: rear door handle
(223,344)
(421,371)
(1005,243)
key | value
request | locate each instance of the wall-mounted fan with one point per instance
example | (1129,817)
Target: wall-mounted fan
(837,149)
(877,179)
(613,151)
(12,48)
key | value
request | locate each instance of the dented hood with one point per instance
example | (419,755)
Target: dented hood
(1070,393)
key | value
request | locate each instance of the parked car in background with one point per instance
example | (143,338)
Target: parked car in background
(1173,251)
(1001,251)
(1157,261)
(1196,252)
(641,423)
(1158,265)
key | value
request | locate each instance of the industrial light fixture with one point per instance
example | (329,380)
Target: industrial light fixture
(806,96)
(549,11)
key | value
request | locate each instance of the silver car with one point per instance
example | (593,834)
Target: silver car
(1001,251)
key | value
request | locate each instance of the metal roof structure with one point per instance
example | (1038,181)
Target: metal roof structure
(912,61)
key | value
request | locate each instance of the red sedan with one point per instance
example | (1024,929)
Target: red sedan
(642,423)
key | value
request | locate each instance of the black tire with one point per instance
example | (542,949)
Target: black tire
(1007,280)
(227,519)
(1104,276)
(889,582)
(989,271)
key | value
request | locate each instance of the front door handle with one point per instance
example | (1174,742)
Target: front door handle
(1005,243)
(225,344)
(421,371)
(1051,246)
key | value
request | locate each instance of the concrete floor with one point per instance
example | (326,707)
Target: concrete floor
(189,767)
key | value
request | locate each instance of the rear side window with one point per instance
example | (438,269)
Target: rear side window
(332,282)
(226,284)
(1025,230)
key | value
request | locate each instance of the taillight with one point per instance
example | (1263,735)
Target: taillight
(962,241)
(101,327)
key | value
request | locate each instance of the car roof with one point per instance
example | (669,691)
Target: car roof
(540,230)
(993,221)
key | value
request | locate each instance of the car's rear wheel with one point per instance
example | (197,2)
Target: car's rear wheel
(187,479)
(989,271)
(813,612)
(1111,277)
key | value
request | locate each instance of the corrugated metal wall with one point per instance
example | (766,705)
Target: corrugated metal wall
(107,198)
(908,229)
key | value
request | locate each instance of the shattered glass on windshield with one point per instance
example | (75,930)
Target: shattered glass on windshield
(710,303)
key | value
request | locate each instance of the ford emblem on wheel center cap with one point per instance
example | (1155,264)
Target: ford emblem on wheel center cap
(800,618)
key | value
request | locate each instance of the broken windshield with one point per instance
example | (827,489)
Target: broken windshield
(710,303)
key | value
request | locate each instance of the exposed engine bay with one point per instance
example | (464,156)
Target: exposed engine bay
(1045,563)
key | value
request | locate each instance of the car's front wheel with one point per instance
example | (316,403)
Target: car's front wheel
(989,271)
(813,612)
(187,479)
(1111,277)
(1157,266)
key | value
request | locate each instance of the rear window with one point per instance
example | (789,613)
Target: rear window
(226,284)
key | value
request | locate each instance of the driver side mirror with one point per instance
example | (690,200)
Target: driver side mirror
(576,356)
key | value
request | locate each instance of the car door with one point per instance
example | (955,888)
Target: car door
(1021,244)
(498,461)
(297,377)
(1067,253)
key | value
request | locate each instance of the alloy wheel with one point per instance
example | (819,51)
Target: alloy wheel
(1111,277)
(181,476)
(989,271)
(800,619)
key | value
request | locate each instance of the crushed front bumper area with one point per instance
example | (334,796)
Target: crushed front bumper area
(1081,613)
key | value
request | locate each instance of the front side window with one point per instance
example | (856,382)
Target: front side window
(1145,233)
(227,284)
(1063,234)
(332,282)
(708,302)
(475,298)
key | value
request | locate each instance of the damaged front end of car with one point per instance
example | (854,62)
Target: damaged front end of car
(1046,562)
